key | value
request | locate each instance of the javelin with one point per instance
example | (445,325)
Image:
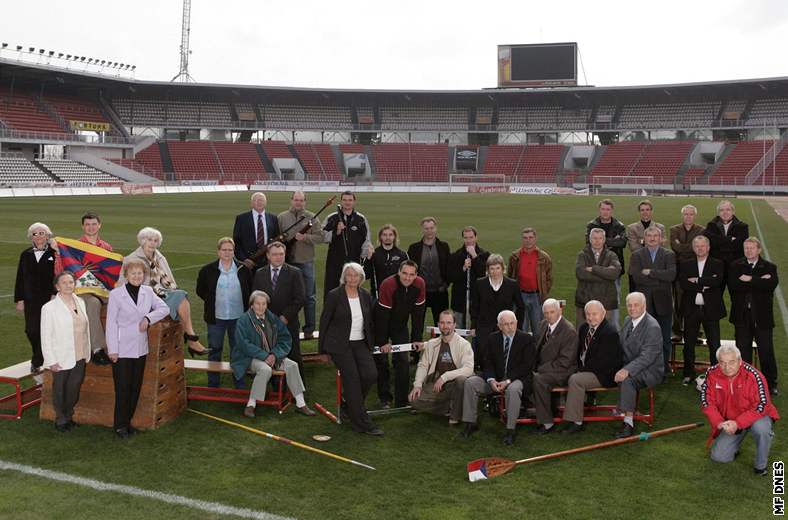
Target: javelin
(283,440)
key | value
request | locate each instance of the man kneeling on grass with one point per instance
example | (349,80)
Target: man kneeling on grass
(445,363)
(735,399)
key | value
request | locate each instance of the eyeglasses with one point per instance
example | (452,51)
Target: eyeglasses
(38,233)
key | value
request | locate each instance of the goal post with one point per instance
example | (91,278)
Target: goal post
(476,182)
(638,185)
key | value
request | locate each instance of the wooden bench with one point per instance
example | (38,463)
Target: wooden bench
(312,357)
(279,398)
(702,366)
(608,409)
(23,398)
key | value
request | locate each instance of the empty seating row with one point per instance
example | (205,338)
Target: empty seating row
(319,161)
(669,115)
(395,162)
(532,162)
(17,170)
(543,118)
(423,118)
(19,111)
(618,159)
(310,117)
(738,163)
(662,160)
(74,172)
(138,112)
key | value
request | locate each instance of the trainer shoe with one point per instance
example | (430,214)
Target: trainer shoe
(624,432)
(249,412)
(100,358)
(759,472)
(305,410)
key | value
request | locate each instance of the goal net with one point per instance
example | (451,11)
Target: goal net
(638,185)
(476,183)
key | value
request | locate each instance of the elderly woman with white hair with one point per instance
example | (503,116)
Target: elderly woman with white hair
(160,278)
(346,335)
(34,286)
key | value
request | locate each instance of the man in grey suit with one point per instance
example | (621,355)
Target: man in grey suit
(641,339)
(654,268)
(556,360)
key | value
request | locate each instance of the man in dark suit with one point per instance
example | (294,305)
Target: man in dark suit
(701,281)
(599,357)
(641,339)
(752,281)
(432,255)
(653,268)
(465,265)
(508,369)
(491,295)
(727,235)
(284,284)
(253,230)
(556,360)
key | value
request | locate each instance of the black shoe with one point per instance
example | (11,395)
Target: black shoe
(193,352)
(469,429)
(123,433)
(100,357)
(572,427)
(541,430)
(35,370)
(71,425)
(132,431)
(625,431)
(760,472)
(376,432)
(62,428)
(510,436)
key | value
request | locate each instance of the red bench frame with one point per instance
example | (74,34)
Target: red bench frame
(24,397)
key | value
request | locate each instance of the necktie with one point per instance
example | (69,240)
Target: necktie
(587,343)
(275,278)
(260,230)
(506,344)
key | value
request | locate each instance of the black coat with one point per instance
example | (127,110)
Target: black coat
(34,285)
(456,276)
(605,355)
(727,246)
(245,236)
(289,296)
(383,264)
(657,287)
(206,287)
(759,291)
(486,303)
(522,358)
(710,284)
(415,250)
(335,320)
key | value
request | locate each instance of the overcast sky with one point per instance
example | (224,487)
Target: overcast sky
(407,44)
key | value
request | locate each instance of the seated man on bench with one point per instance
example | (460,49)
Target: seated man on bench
(262,343)
(599,357)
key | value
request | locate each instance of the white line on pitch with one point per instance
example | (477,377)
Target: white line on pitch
(203,505)
(780,298)
(187,267)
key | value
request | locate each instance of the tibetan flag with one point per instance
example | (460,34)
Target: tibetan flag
(95,269)
(477,470)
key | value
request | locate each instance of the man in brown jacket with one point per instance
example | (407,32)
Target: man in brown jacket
(533,270)
(596,269)
(556,360)
(681,236)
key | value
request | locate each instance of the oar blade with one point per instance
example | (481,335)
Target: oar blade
(487,468)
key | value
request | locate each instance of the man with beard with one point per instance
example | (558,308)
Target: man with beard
(385,260)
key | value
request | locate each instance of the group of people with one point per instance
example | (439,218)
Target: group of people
(521,344)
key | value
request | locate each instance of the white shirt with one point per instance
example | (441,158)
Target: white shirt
(494,285)
(39,254)
(636,321)
(699,297)
(357,320)
(726,226)
(554,325)
(265,224)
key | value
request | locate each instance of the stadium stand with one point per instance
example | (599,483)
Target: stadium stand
(524,163)
(503,159)
(395,162)
(20,111)
(543,118)
(365,115)
(318,161)
(693,175)
(194,160)
(739,162)
(309,117)
(239,162)
(73,172)
(72,108)
(669,115)
(423,118)
(277,150)
(148,112)
(18,170)
(769,112)
(662,160)
(618,159)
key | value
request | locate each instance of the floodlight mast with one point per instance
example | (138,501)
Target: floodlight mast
(183,75)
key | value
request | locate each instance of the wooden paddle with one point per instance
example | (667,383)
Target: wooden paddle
(487,468)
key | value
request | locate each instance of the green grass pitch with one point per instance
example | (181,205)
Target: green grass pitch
(421,461)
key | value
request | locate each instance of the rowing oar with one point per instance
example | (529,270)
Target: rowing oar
(482,469)
(283,440)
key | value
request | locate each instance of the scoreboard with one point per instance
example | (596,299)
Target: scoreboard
(537,65)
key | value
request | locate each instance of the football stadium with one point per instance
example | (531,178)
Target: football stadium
(239,259)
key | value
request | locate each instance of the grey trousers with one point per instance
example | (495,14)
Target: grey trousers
(476,387)
(628,393)
(447,400)
(726,446)
(543,396)
(578,384)
(65,391)
(263,375)
(93,303)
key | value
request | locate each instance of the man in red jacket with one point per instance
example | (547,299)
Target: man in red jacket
(735,399)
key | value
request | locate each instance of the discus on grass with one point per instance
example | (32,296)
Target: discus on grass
(321,438)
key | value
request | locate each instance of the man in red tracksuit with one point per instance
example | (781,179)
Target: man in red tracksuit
(735,399)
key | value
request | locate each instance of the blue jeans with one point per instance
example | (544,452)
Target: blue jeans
(533,312)
(216,334)
(308,272)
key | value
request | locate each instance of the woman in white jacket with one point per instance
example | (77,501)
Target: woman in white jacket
(65,343)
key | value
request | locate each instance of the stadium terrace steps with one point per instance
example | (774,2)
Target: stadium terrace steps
(618,160)
(20,111)
(525,163)
(662,160)
(737,164)
(18,170)
(403,162)
(318,161)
